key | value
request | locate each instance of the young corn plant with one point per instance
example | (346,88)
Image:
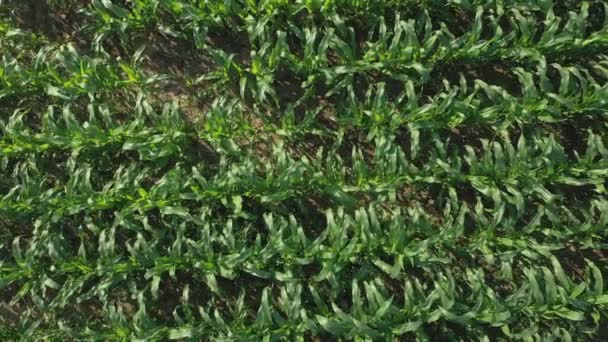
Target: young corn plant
(304,170)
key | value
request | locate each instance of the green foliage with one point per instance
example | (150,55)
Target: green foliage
(297,170)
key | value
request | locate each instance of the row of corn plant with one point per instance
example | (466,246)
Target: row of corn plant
(303,170)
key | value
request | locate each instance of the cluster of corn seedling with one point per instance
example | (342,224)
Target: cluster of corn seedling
(304,170)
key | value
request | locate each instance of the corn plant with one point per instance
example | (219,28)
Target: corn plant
(303,170)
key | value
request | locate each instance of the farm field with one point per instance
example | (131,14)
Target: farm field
(319,170)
